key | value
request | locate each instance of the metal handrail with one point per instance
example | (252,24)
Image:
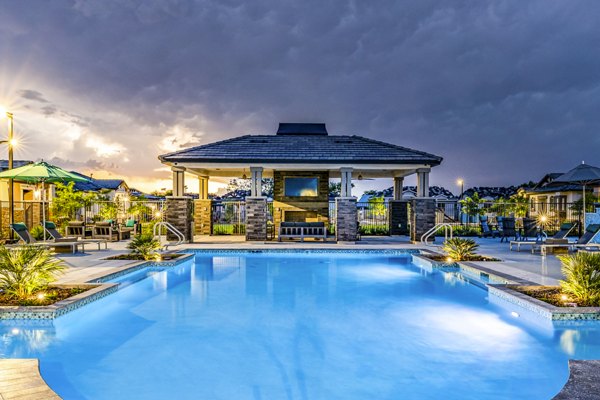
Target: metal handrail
(433,230)
(170,228)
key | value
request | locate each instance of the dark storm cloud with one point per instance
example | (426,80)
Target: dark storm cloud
(504,90)
(33,95)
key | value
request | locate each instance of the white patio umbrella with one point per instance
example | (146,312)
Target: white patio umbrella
(583,174)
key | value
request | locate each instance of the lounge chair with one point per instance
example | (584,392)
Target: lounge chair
(585,242)
(508,229)
(23,233)
(562,234)
(55,234)
(486,231)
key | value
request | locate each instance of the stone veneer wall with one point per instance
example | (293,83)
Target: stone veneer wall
(203,217)
(256,218)
(422,217)
(179,213)
(346,220)
(317,205)
(398,217)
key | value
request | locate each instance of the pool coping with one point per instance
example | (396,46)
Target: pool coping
(506,291)
(99,288)
(583,382)
(21,378)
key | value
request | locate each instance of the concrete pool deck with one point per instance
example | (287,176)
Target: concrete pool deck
(522,265)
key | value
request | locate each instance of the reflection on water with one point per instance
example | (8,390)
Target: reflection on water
(300,327)
(25,338)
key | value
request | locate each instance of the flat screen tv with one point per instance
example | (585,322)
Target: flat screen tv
(301,187)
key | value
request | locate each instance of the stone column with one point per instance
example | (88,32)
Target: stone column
(178,212)
(256,218)
(423,182)
(256,181)
(398,187)
(346,187)
(398,217)
(422,217)
(178,181)
(203,217)
(346,228)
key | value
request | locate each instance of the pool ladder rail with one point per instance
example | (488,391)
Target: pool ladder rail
(447,232)
(157,232)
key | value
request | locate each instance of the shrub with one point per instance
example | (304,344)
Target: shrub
(460,249)
(37,232)
(145,245)
(27,269)
(582,277)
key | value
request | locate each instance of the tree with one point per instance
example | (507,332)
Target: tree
(67,202)
(244,185)
(335,189)
(472,205)
(377,206)
(518,204)
(590,200)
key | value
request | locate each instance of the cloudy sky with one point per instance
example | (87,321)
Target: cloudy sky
(505,91)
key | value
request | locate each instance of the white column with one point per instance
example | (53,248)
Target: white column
(398,187)
(346,189)
(256,181)
(423,182)
(178,181)
(203,187)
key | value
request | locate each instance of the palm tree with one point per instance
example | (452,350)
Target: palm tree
(27,269)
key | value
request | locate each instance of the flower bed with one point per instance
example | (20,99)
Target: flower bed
(45,297)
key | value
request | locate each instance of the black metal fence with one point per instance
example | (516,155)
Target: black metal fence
(548,216)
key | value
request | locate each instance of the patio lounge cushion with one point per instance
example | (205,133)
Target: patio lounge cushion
(50,225)
(130,223)
(76,223)
(20,227)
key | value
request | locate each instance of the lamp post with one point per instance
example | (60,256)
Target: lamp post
(461,182)
(11,143)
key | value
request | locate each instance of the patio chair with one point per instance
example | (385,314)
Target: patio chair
(559,236)
(585,242)
(486,231)
(55,234)
(530,230)
(104,230)
(25,236)
(508,229)
(76,229)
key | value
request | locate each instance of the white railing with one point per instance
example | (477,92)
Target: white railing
(447,228)
(157,232)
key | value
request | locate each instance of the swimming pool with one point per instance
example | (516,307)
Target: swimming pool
(299,326)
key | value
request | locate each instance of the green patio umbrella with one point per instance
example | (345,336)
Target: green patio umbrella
(41,172)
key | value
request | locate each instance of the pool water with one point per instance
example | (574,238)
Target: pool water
(299,326)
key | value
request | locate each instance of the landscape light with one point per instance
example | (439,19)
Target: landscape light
(449,259)
(41,296)
(157,214)
(564,297)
